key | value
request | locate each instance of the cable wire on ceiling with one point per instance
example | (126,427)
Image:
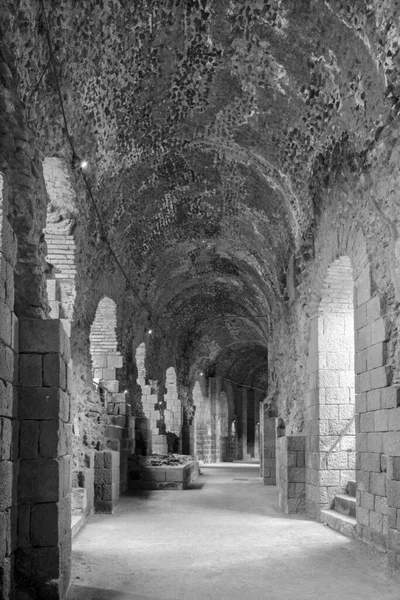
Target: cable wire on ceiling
(75,158)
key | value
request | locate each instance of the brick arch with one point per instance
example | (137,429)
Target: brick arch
(348,241)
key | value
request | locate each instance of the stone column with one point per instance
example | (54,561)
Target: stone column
(43,555)
(244,423)
(291,473)
(269,459)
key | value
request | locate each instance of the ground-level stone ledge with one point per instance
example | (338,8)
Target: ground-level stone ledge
(162,477)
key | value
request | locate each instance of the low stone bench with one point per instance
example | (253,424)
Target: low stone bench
(164,477)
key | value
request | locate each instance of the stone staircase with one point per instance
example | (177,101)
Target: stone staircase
(342,517)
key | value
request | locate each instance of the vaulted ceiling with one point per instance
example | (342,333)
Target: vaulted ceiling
(212,129)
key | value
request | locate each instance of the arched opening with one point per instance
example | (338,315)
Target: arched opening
(330,410)
(152,407)
(104,346)
(336,382)
(59,237)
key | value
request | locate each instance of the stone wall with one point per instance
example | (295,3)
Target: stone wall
(43,545)
(328,405)
(331,405)
(9,426)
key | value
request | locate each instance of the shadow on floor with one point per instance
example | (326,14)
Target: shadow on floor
(78,592)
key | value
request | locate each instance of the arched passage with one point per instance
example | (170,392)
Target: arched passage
(336,381)
(104,346)
(59,237)
(331,398)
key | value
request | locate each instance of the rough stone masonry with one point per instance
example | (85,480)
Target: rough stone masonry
(224,267)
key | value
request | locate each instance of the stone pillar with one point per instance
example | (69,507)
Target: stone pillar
(291,473)
(244,424)
(269,459)
(8,405)
(43,555)
(213,395)
(106,481)
(257,412)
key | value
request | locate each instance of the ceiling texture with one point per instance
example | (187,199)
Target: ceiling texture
(212,129)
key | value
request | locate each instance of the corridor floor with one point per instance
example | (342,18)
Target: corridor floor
(225,539)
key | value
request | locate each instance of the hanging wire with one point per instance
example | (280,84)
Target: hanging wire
(76,158)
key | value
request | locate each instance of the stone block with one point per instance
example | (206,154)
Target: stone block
(362,515)
(360,316)
(40,403)
(154,474)
(23,526)
(99,361)
(370,461)
(54,309)
(360,365)
(36,566)
(99,460)
(29,439)
(377,484)
(375,442)
(108,374)
(102,476)
(396,468)
(393,496)
(51,285)
(104,506)
(373,400)
(30,370)
(361,403)
(5,438)
(367,500)
(376,355)
(111,386)
(6,364)
(393,421)
(49,439)
(379,331)
(374,309)
(44,524)
(7,404)
(38,480)
(363,338)
(380,420)
(5,324)
(381,505)
(380,377)
(43,337)
(6,487)
(54,371)
(394,540)
(390,397)
(367,422)
(114,361)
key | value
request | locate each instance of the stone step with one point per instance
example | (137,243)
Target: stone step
(351,488)
(338,522)
(346,505)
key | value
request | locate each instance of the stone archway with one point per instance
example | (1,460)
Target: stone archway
(332,355)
